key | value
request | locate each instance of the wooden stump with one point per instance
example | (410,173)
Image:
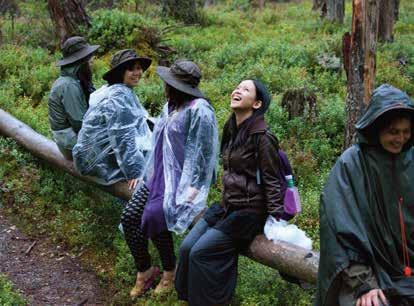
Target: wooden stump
(300,103)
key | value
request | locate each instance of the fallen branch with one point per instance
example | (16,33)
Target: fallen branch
(285,257)
(30,248)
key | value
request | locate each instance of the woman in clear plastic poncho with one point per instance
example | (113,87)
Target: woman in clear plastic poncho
(115,136)
(178,175)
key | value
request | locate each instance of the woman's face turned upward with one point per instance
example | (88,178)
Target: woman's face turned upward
(243,98)
(395,136)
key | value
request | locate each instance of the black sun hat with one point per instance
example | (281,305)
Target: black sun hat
(74,49)
(124,56)
(183,75)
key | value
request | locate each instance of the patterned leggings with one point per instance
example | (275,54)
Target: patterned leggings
(137,242)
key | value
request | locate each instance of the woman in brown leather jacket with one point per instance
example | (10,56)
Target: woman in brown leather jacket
(207,270)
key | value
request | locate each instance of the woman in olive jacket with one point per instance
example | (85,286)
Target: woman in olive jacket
(207,270)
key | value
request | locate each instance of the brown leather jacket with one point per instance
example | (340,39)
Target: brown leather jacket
(240,188)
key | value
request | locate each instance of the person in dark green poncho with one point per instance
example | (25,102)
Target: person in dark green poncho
(367,211)
(69,96)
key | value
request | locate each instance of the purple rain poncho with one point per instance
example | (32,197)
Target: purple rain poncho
(180,169)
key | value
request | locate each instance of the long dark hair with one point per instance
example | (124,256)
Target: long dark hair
(117,75)
(85,77)
(177,98)
(237,135)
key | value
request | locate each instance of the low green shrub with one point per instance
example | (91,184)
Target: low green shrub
(8,296)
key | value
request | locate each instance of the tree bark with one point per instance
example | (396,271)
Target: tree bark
(320,5)
(397,10)
(69,17)
(387,18)
(335,10)
(262,4)
(359,50)
(285,257)
(208,3)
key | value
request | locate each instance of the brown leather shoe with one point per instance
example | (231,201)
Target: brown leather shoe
(143,283)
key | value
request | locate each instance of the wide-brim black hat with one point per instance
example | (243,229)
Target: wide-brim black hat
(182,75)
(124,56)
(75,49)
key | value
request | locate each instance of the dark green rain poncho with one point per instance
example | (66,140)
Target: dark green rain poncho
(359,215)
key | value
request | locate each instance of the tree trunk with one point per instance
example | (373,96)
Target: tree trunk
(396,9)
(69,17)
(359,50)
(208,3)
(320,5)
(387,19)
(285,257)
(335,10)
(184,10)
(262,4)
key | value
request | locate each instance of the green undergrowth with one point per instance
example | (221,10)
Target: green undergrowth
(9,296)
(279,45)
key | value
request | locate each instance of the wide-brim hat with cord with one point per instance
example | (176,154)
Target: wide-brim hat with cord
(74,49)
(184,76)
(124,56)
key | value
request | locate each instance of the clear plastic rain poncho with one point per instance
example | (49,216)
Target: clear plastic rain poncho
(114,137)
(188,178)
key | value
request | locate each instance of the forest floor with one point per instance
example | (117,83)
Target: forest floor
(44,273)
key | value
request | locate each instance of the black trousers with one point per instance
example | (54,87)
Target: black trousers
(137,242)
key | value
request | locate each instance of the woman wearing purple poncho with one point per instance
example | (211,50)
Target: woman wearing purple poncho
(177,177)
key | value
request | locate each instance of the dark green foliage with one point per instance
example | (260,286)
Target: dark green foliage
(182,10)
(8,297)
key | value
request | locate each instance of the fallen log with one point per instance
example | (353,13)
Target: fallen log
(47,150)
(285,257)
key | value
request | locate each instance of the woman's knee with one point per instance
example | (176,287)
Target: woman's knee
(185,249)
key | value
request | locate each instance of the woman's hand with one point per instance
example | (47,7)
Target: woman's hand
(372,298)
(133,183)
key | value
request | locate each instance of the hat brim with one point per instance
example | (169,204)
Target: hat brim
(73,58)
(169,78)
(144,62)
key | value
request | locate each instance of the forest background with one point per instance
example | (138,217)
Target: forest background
(287,45)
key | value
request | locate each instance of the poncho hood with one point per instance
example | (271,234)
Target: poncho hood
(385,98)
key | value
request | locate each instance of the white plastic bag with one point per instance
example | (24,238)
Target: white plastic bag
(283,231)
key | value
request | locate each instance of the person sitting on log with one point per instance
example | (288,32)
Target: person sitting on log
(68,99)
(115,135)
(207,268)
(367,211)
(178,176)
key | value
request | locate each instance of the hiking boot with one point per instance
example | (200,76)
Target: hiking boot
(166,283)
(145,281)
